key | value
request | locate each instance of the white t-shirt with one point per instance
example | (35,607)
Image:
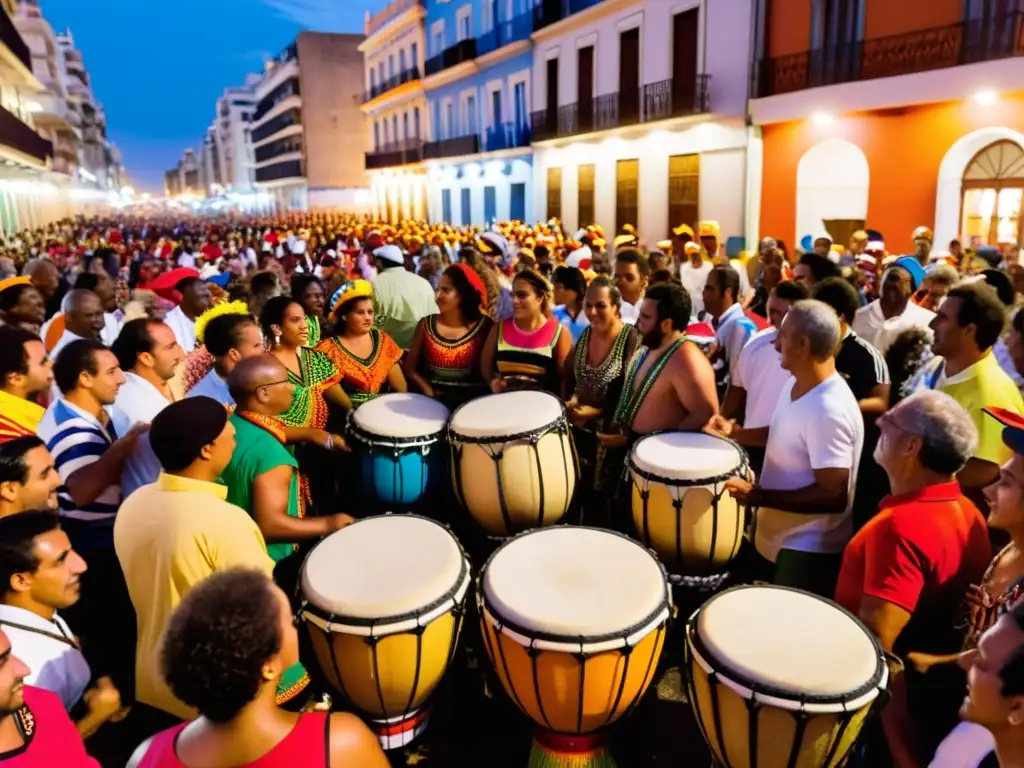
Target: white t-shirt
(183,327)
(693,280)
(56,665)
(871,325)
(630,312)
(187,260)
(759,371)
(823,429)
(137,401)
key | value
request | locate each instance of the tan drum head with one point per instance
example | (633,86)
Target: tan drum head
(402,416)
(576,585)
(686,457)
(787,643)
(508,413)
(384,570)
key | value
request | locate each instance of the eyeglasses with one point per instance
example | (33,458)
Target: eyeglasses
(272,384)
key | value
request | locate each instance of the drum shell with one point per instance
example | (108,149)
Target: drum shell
(613,681)
(703,535)
(824,742)
(536,480)
(356,665)
(396,474)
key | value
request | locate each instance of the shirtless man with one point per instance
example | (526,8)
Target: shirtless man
(669,383)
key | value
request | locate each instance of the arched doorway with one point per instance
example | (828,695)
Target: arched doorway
(832,181)
(992,194)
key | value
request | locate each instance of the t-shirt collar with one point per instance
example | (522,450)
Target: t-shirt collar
(179,484)
(930,493)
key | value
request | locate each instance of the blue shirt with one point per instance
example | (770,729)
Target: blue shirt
(76,439)
(576,326)
(213,386)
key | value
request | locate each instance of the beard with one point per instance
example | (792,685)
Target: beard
(653,339)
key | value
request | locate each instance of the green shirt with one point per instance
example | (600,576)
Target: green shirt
(256,453)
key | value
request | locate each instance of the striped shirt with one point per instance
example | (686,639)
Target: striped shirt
(861,364)
(76,440)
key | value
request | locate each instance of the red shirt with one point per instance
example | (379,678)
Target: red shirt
(921,552)
(50,737)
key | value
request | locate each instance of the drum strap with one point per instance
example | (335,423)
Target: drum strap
(632,399)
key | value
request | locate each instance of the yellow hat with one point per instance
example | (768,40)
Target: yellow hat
(709,229)
(922,233)
(691,247)
(10,282)
(624,241)
(683,229)
(219,310)
(353,289)
(664,245)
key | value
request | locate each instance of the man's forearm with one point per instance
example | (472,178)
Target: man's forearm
(810,500)
(751,438)
(86,484)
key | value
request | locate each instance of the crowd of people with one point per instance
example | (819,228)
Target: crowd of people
(174,400)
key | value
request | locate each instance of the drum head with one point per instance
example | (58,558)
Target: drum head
(573,583)
(401,415)
(787,641)
(686,456)
(383,568)
(508,413)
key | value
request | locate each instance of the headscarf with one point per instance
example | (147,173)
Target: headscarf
(353,289)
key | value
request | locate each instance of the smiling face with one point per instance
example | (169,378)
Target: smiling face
(986,702)
(1006,510)
(13,672)
(38,489)
(949,335)
(30,308)
(293,329)
(599,308)
(446,295)
(527,305)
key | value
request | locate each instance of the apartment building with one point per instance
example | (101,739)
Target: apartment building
(893,115)
(234,148)
(307,127)
(395,110)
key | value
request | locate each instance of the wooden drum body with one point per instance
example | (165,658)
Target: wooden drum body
(780,678)
(514,466)
(680,506)
(573,620)
(383,603)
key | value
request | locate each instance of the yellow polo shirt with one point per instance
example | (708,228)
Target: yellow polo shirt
(169,536)
(18,417)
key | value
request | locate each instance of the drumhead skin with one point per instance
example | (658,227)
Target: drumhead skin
(686,456)
(564,584)
(384,570)
(401,415)
(504,414)
(788,643)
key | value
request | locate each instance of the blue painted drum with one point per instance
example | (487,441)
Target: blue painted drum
(396,439)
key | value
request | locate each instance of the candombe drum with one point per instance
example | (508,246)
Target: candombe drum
(573,620)
(396,437)
(780,678)
(514,465)
(680,506)
(383,601)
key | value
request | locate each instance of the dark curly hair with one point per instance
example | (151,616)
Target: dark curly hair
(469,299)
(217,641)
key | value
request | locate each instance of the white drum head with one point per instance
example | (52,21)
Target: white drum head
(686,456)
(401,415)
(507,413)
(574,582)
(382,567)
(788,640)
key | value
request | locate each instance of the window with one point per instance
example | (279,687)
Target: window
(519,104)
(376,136)
(380,73)
(470,120)
(467,212)
(401,61)
(416,122)
(465,22)
(391,65)
(373,78)
(683,189)
(517,205)
(449,116)
(627,178)
(394,128)
(386,139)
(438,40)
(554,193)
(414,55)
(993,194)
(405,126)
(585,208)
(446,205)
(437,120)
(490,205)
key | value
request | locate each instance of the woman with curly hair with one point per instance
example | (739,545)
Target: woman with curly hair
(226,648)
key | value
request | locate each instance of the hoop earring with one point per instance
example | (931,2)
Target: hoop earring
(277,339)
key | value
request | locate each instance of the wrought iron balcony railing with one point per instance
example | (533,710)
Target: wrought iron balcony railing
(464,50)
(460,145)
(400,153)
(406,76)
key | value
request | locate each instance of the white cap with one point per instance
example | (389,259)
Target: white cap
(390,253)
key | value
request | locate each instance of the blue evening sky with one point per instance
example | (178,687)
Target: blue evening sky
(158,68)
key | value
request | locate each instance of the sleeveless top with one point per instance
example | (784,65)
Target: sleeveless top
(528,357)
(305,745)
(50,737)
(317,373)
(363,377)
(600,386)
(452,366)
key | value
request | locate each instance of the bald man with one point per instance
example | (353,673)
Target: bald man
(263,476)
(83,319)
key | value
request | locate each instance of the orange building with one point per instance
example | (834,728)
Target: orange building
(891,114)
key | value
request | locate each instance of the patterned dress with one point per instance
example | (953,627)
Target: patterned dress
(313,324)
(317,373)
(362,377)
(452,366)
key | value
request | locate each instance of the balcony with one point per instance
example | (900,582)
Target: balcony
(407,76)
(968,42)
(506,136)
(655,101)
(10,37)
(547,12)
(17,135)
(398,153)
(277,124)
(289,169)
(460,145)
(285,90)
(504,33)
(464,50)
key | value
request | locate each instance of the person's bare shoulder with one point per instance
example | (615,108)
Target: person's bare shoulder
(689,358)
(352,743)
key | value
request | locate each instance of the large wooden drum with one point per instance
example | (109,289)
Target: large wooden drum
(573,620)
(780,678)
(383,602)
(514,466)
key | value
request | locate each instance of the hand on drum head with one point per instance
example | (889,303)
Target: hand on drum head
(498,385)
(581,414)
(744,491)
(719,426)
(338,444)
(339,521)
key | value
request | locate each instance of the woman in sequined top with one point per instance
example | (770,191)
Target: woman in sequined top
(444,358)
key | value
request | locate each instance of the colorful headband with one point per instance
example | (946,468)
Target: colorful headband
(353,289)
(475,281)
(227,308)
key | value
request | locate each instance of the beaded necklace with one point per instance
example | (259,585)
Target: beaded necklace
(631,401)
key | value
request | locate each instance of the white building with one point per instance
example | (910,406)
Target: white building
(395,109)
(235,154)
(639,119)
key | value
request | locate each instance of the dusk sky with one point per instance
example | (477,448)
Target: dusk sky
(158,68)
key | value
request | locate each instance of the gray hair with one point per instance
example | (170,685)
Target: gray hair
(943,274)
(34,265)
(819,323)
(946,429)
